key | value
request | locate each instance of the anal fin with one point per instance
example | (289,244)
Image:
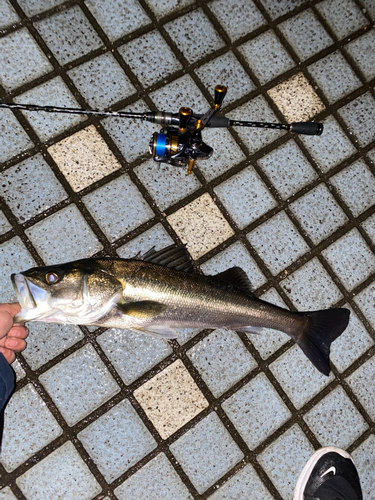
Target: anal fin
(158,331)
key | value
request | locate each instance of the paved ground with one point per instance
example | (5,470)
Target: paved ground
(215,414)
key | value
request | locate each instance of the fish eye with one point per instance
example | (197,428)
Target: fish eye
(51,278)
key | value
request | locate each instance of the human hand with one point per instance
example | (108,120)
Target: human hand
(11,336)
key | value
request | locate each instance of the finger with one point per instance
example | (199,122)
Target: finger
(12,309)
(18,331)
(14,344)
(8,354)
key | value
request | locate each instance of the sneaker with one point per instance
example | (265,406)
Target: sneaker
(330,474)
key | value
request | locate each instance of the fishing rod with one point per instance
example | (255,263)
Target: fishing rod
(179,142)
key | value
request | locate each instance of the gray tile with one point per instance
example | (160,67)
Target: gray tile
(156,237)
(14,139)
(162,8)
(258,110)
(244,484)
(288,169)
(362,50)
(310,287)
(266,56)
(62,474)
(64,236)
(132,353)
(28,427)
(117,440)
(21,59)
(193,26)
(356,186)
(180,92)
(370,7)
(166,184)
(206,452)
(222,360)
(363,385)
(102,81)
(233,256)
(244,17)
(351,259)
(245,196)
(343,16)
(5,225)
(256,410)
(278,242)
(226,70)
(118,18)
(366,301)
(318,213)
(331,148)
(334,76)
(52,93)
(30,187)
(298,376)
(281,7)
(369,226)
(186,334)
(156,476)
(143,57)
(305,34)
(47,340)
(68,34)
(33,7)
(14,257)
(359,116)
(7,494)
(364,457)
(346,423)
(119,196)
(8,15)
(294,448)
(79,384)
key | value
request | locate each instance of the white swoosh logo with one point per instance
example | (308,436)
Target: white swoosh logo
(331,469)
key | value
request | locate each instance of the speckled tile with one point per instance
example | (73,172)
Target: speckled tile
(7,494)
(363,385)
(281,7)
(366,301)
(235,255)
(5,225)
(359,116)
(117,18)
(298,376)
(14,257)
(171,399)
(18,370)
(244,484)
(206,452)
(155,477)
(278,242)
(343,16)
(162,8)
(33,7)
(21,59)
(318,213)
(79,384)
(244,17)
(156,237)
(346,423)
(256,410)
(14,139)
(288,169)
(245,196)
(102,81)
(62,474)
(84,158)
(8,16)
(363,458)
(30,187)
(370,7)
(143,57)
(331,148)
(200,225)
(186,334)
(165,183)
(311,288)
(222,360)
(47,340)
(117,440)
(180,92)
(63,237)
(305,34)
(296,99)
(334,76)
(362,50)
(369,226)
(356,186)
(266,56)
(351,259)
(294,448)
(226,70)
(193,26)
(132,353)
(68,34)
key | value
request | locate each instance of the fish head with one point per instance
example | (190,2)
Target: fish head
(77,292)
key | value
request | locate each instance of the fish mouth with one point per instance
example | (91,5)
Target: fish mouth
(33,300)
(22,289)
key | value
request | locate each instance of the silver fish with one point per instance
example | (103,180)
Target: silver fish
(158,292)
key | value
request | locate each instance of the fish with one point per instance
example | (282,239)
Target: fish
(159,291)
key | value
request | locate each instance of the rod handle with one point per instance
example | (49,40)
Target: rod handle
(306,128)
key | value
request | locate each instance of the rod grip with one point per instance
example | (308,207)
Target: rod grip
(307,128)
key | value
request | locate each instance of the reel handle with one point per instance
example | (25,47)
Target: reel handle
(220,92)
(184,117)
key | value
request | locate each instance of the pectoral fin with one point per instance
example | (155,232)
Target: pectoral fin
(159,331)
(142,309)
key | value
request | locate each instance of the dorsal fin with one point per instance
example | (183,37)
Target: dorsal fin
(234,278)
(173,256)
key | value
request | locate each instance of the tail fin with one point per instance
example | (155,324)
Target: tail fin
(326,326)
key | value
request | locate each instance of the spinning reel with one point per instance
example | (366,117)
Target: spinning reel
(179,142)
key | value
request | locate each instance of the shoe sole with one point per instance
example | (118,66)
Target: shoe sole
(306,471)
